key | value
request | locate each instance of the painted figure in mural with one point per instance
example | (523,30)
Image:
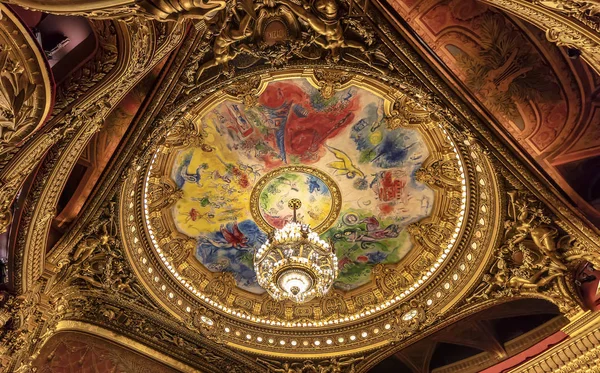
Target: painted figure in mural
(195,177)
(372,233)
(234,237)
(344,164)
(194,215)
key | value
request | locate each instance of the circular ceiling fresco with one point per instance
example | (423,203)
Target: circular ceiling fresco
(378,175)
(355,177)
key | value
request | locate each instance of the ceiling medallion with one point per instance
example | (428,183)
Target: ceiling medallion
(298,181)
(295,263)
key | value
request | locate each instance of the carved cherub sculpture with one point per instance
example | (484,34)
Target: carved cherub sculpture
(323,19)
(227,35)
(529,222)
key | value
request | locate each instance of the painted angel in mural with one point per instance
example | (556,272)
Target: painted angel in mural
(373,232)
(196,176)
(344,164)
(234,237)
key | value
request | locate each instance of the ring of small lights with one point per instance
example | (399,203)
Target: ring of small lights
(455,270)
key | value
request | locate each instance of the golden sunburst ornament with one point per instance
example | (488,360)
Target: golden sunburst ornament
(295,263)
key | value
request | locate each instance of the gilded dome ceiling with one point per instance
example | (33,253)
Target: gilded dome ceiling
(159,197)
(387,190)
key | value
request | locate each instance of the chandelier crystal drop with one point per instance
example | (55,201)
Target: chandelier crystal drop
(295,263)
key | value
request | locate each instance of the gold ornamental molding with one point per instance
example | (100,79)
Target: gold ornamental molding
(567,23)
(152,9)
(17,163)
(26,97)
(26,88)
(138,53)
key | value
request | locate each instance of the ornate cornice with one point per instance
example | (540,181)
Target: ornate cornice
(27,87)
(120,339)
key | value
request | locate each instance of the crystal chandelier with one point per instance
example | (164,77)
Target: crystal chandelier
(295,263)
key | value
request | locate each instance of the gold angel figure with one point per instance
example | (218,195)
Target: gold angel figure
(324,20)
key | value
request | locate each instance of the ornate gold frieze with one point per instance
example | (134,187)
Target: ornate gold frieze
(406,111)
(333,365)
(330,81)
(585,11)
(277,33)
(126,9)
(574,355)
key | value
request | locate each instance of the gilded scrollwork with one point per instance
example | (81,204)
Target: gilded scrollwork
(183,134)
(435,236)
(407,112)
(442,173)
(15,90)
(333,305)
(390,281)
(408,319)
(586,11)
(246,91)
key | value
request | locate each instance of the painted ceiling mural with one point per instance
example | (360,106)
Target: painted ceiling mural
(527,83)
(354,176)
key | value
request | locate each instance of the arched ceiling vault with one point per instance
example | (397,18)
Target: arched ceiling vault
(432,215)
(500,58)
